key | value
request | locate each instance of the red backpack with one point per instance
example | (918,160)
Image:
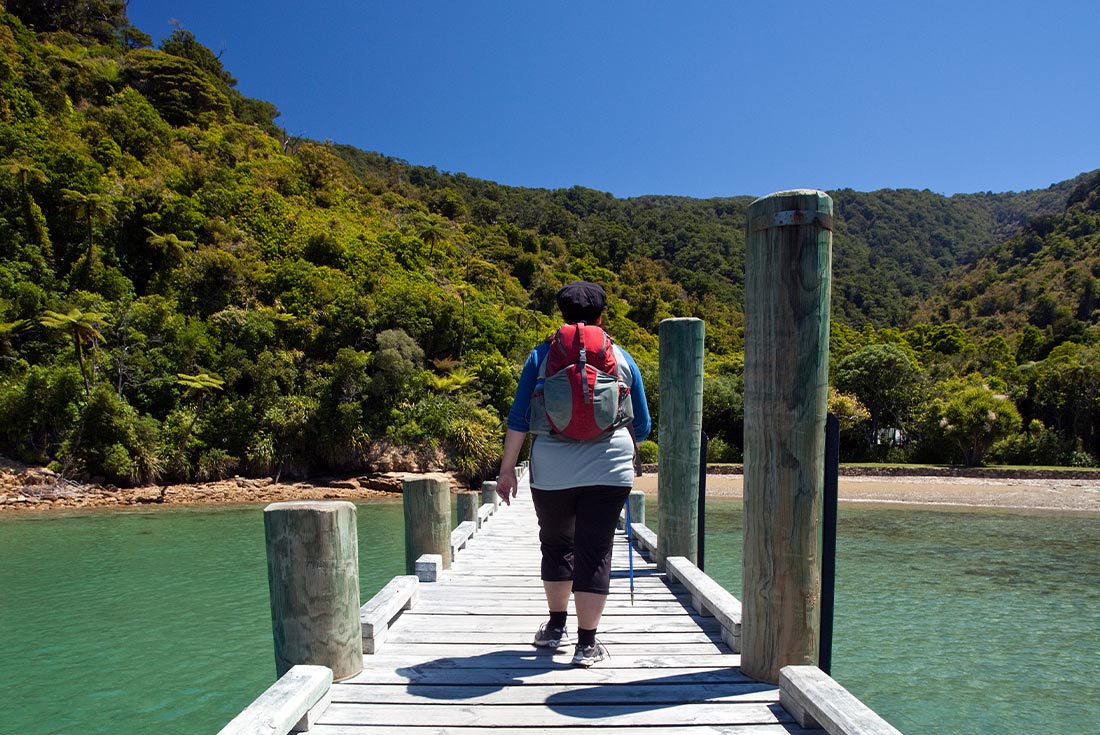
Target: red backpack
(580,393)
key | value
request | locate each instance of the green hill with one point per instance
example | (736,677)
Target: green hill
(1045,278)
(187,292)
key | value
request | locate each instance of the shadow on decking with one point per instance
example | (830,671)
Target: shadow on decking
(638,573)
(615,692)
(622,698)
(497,670)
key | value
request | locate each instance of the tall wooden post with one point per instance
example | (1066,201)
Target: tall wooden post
(680,385)
(788,263)
(427,501)
(313,574)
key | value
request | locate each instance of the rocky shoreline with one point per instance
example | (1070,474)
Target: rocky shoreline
(40,489)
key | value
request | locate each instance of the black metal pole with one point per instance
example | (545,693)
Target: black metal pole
(702,526)
(828,545)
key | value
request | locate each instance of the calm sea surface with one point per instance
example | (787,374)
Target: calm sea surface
(157,622)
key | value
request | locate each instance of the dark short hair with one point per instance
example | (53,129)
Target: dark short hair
(581,301)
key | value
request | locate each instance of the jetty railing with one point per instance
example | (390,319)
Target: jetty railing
(292,704)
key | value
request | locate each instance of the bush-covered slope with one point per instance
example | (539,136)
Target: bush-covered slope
(185,292)
(1042,284)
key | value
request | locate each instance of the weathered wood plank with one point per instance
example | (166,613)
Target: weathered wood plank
(602,694)
(461,535)
(483,513)
(754,729)
(455,590)
(529,657)
(619,588)
(552,714)
(645,539)
(400,593)
(537,610)
(283,705)
(443,649)
(399,634)
(709,597)
(375,617)
(525,624)
(542,670)
(815,699)
(524,582)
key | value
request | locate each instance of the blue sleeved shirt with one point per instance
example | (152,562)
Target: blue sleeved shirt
(556,463)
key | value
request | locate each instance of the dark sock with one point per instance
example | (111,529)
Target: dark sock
(586,637)
(557,619)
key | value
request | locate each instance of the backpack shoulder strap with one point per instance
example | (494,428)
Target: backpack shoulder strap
(621,365)
(545,358)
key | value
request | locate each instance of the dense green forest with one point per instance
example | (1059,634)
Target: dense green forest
(187,293)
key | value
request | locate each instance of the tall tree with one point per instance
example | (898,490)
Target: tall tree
(884,379)
(83,327)
(196,387)
(431,235)
(974,417)
(88,208)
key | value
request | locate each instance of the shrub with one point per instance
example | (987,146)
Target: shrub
(719,450)
(39,411)
(1037,445)
(216,464)
(468,434)
(112,442)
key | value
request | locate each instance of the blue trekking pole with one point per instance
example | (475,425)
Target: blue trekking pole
(630,553)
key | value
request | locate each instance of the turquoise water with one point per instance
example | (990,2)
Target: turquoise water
(147,622)
(948,623)
(958,623)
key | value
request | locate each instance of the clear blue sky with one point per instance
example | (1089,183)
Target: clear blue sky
(682,97)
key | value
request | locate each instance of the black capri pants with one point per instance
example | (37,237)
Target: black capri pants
(576,533)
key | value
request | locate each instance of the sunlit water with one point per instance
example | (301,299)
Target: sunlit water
(958,623)
(147,622)
(157,622)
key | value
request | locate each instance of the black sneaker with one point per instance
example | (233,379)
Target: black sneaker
(548,637)
(585,656)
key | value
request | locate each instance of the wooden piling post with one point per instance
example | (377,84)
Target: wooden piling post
(636,501)
(427,500)
(466,505)
(680,386)
(313,575)
(788,259)
(489,493)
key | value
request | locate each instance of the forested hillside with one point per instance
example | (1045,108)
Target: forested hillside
(188,293)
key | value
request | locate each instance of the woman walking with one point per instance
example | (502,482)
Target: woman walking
(578,486)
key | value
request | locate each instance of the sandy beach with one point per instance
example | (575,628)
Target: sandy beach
(1026,494)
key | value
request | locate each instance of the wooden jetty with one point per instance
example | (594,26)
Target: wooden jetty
(455,656)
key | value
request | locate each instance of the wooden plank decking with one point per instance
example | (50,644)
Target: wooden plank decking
(461,660)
